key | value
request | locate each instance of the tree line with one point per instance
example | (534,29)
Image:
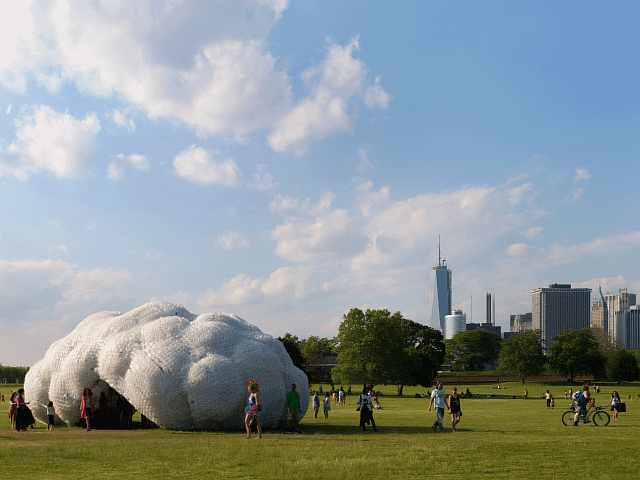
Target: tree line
(376,347)
(13,374)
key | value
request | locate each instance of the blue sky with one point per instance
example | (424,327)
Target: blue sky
(288,161)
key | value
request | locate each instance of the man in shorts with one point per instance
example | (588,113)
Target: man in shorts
(293,406)
(439,397)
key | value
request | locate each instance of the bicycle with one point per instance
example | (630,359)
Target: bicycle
(598,415)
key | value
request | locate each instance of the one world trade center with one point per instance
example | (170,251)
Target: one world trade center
(439,293)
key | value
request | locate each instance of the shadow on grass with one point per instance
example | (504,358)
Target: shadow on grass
(356,430)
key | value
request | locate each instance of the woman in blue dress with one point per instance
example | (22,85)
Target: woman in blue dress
(253,408)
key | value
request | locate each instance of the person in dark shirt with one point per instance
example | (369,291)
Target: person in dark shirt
(454,407)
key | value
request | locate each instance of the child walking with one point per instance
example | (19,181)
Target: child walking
(327,405)
(50,414)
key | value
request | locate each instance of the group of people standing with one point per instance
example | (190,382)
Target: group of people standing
(19,412)
(114,411)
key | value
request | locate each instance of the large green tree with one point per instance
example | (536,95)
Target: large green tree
(622,366)
(575,352)
(370,347)
(423,354)
(317,346)
(292,346)
(523,354)
(473,349)
(13,374)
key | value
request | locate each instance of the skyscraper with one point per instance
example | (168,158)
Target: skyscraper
(439,293)
(617,304)
(599,311)
(559,307)
(632,328)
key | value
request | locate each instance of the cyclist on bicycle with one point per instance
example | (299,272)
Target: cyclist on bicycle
(582,402)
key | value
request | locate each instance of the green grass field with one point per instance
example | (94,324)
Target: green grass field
(497,438)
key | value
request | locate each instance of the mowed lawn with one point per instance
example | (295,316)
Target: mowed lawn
(497,438)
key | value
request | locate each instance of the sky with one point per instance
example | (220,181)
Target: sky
(287,161)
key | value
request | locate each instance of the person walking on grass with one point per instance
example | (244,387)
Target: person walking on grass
(366,410)
(615,400)
(253,408)
(439,397)
(454,407)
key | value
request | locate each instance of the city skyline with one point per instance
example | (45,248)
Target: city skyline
(288,161)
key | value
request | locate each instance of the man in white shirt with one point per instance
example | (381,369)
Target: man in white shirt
(439,397)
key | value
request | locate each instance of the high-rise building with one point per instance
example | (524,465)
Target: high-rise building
(632,328)
(559,307)
(617,304)
(454,323)
(599,311)
(521,322)
(439,293)
(489,318)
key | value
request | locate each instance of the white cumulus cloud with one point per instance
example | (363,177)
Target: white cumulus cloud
(333,83)
(47,141)
(198,165)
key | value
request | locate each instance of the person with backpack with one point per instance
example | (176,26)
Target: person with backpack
(582,401)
